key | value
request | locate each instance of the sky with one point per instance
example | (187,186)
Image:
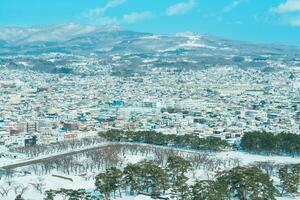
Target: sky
(261,21)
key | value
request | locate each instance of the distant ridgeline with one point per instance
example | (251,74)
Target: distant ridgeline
(181,141)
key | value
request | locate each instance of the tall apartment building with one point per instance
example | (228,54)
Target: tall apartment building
(32,127)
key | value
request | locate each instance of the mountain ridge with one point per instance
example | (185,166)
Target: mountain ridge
(136,50)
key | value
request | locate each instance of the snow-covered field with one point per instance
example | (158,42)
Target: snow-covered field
(8,157)
(85,180)
(247,158)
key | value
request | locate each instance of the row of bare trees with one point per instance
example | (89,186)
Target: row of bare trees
(88,163)
(112,155)
(19,189)
(61,146)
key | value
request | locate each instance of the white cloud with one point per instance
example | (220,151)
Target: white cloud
(289,6)
(295,22)
(180,8)
(92,13)
(288,12)
(233,5)
(114,3)
(136,16)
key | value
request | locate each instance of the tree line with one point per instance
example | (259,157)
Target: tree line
(189,141)
(270,143)
(57,147)
(149,178)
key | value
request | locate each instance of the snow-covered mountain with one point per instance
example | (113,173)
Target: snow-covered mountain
(82,39)
(136,49)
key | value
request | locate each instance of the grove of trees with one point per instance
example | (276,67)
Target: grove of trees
(270,143)
(150,178)
(189,141)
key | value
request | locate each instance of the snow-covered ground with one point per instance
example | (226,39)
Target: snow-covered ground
(244,157)
(21,158)
(247,158)
(86,180)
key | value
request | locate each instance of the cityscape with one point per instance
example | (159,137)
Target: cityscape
(223,102)
(113,111)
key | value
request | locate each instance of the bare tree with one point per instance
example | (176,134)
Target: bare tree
(39,185)
(4,190)
(20,189)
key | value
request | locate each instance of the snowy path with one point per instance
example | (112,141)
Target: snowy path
(39,159)
(245,158)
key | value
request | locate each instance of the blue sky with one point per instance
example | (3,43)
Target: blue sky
(267,21)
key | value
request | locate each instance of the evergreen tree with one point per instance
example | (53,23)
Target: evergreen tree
(19,197)
(154,178)
(131,177)
(247,183)
(108,182)
(290,178)
(50,194)
(180,188)
(116,180)
(177,167)
(205,190)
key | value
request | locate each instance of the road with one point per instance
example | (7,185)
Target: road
(73,152)
(53,156)
(246,157)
